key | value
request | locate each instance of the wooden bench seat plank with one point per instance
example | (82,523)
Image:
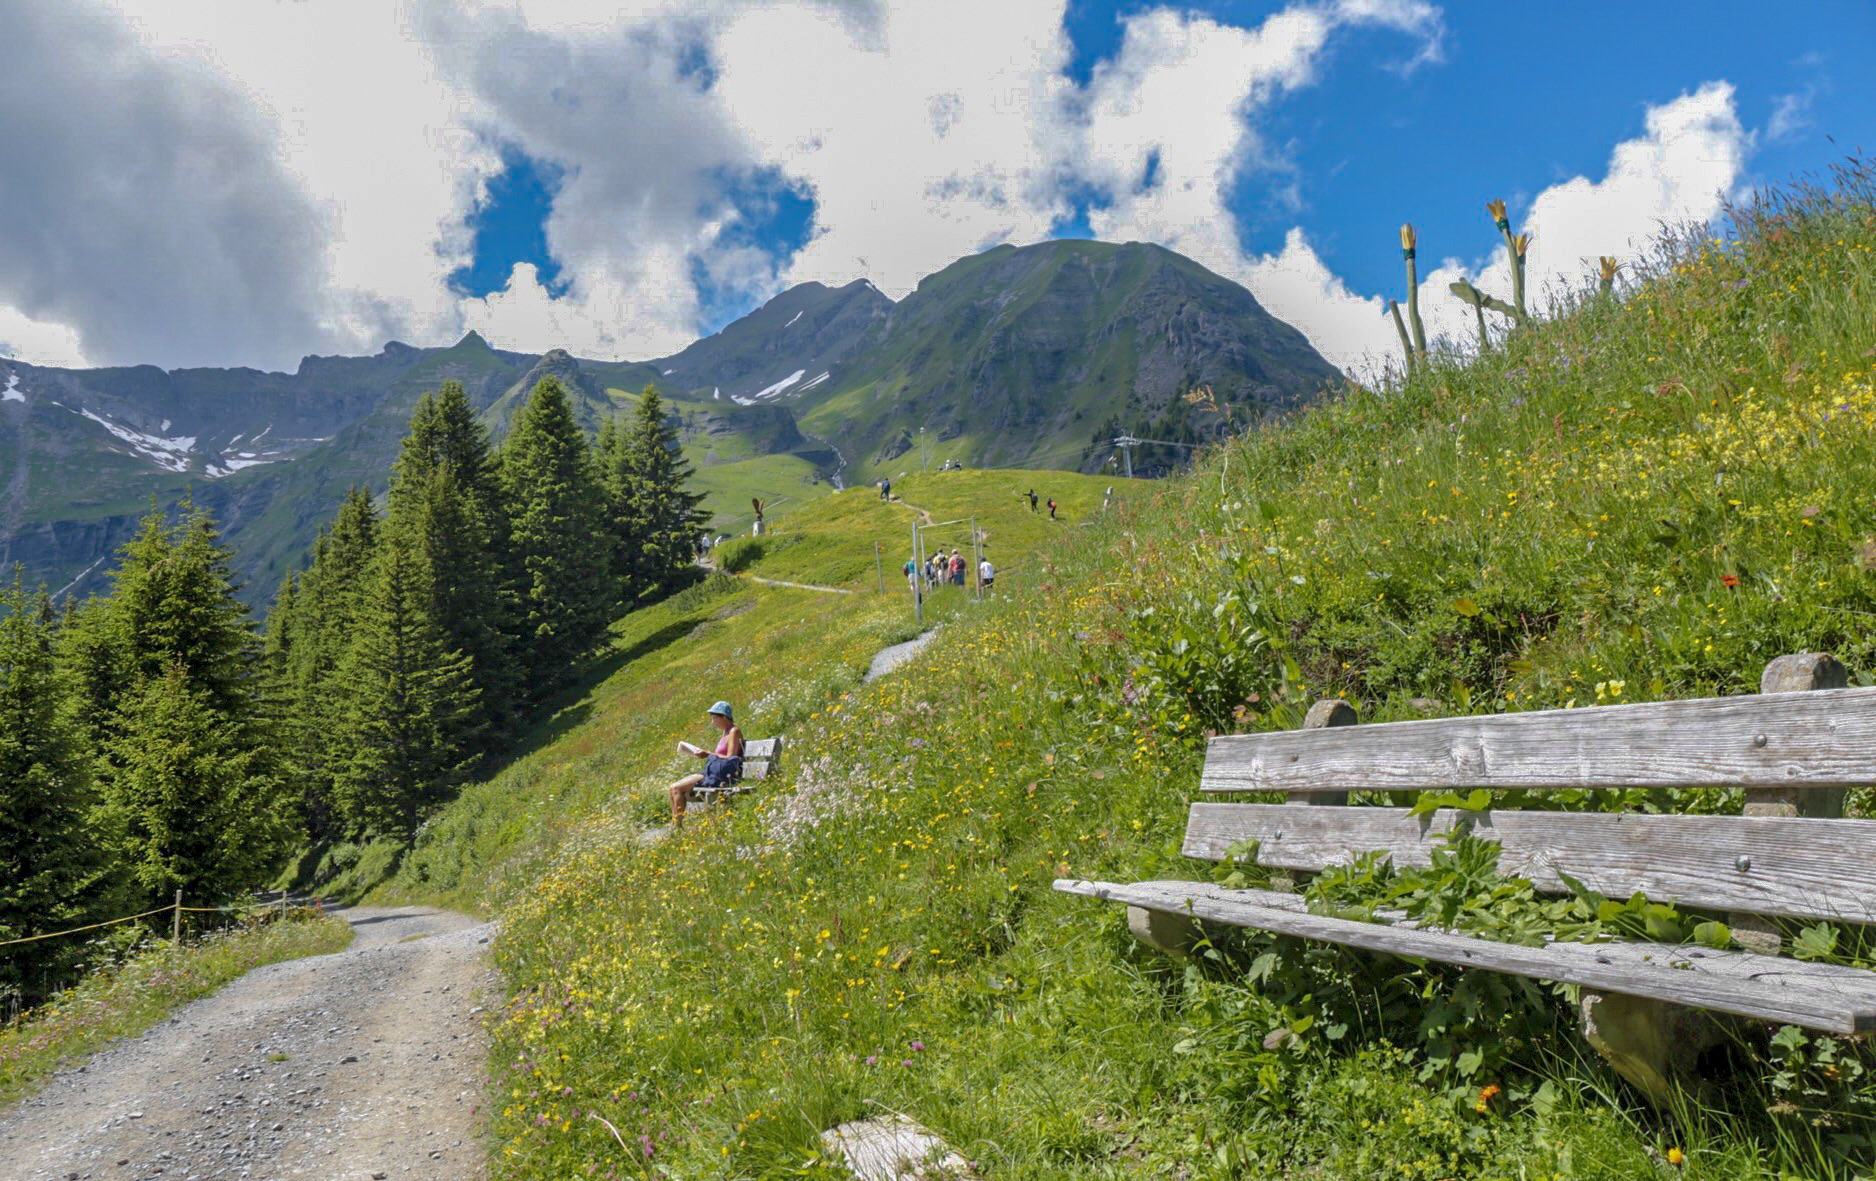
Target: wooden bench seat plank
(1825,997)
(1819,739)
(1786,866)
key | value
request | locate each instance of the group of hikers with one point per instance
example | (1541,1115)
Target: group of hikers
(942,570)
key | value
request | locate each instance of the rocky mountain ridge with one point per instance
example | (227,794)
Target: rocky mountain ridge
(1017,356)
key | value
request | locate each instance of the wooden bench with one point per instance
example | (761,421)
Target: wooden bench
(1793,750)
(760,756)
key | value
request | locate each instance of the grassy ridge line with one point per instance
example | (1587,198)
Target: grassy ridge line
(125,1002)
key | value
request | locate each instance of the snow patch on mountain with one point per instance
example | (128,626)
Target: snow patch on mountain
(791,322)
(12,392)
(817,381)
(776,389)
(169,454)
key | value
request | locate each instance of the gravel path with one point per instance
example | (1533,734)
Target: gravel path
(363,1064)
(887,659)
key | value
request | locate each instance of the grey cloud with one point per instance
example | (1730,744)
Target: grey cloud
(142,200)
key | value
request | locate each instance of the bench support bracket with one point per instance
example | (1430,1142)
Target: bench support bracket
(1174,934)
(1653,1044)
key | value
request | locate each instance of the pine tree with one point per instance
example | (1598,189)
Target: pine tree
(652,515)
(325,612)
(410,700)
(168,677)
(193,798)
(444,497)
(562,597)
(48,858)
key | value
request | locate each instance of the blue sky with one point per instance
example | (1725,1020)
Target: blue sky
(619,178)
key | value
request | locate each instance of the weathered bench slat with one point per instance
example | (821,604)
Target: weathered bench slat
(1824,738)
(1816,996)
(1796,868)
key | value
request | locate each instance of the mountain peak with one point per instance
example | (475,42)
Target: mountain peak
(472,340)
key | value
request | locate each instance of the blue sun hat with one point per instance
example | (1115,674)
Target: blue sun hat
(722,707)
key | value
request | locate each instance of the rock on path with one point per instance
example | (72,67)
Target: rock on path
(367,1063)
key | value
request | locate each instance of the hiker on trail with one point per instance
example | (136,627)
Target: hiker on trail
(885,489)
(722,766)
(1051,508)
(986,573)
(957,567)
(911,574)
(1031,494)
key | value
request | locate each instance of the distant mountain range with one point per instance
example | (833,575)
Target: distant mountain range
(1020,356)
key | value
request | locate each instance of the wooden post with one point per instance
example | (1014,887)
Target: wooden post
(175,921)
(1797,673)
(879,567)
(1330,711)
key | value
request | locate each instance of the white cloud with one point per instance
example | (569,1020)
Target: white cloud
(1688,160)
(40,342)
(926,133)
(368,124)
(1791,114)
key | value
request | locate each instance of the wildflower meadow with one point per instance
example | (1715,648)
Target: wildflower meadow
(1646,495)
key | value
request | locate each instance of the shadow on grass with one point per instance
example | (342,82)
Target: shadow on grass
(567,708)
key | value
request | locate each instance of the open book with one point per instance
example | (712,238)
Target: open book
(688,749)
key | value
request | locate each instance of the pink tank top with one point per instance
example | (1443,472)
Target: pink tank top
(723,747)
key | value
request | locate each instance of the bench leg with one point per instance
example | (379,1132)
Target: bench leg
(1174,934)
(1652,1044)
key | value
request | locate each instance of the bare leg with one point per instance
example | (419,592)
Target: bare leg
(680,798)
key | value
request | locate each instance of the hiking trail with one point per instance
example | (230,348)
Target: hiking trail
(363,1064)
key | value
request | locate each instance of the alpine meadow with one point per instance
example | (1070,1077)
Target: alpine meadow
(946,614)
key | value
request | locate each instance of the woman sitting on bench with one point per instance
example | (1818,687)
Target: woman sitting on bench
(722,766)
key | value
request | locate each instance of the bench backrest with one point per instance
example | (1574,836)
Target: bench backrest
(761,756)
(1792,751)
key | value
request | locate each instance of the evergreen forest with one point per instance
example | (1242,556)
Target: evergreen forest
(158,738)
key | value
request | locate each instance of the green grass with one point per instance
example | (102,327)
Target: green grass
(1644,497)
(144,990)
(786,483)
(833,545)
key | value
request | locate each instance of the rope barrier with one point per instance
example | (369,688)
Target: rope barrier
(170,909)
(94,926)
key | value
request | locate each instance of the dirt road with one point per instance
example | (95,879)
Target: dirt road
(364,1064)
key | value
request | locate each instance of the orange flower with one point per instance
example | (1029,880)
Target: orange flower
(1676,1156)
(1487,1093)
(1729,581)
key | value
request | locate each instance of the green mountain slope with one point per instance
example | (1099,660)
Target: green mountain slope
(1647,496)
(1020,354)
